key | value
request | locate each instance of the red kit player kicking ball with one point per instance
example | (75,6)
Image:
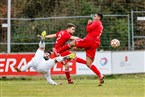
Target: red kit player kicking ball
(61,38)
(90,43)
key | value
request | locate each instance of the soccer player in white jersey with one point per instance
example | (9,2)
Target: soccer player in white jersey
(41,62)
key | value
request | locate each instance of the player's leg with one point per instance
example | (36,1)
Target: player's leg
(42,43)
(40,51)
(38,55)
(64,61)
(66,47)
(80,43)
(60,59)
(67,55)
(90,54)
(80,60)
(66,65)
(90,48)
(74,44)
(25,67)
(67,72)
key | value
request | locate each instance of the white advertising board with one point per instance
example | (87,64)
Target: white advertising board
(128,62)
(102,61)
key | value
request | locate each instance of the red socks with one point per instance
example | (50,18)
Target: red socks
(66,47)
(95,70)
(67,73)
(80,60)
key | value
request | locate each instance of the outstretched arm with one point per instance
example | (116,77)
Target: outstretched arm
(74,37)
(50,81)
(51,36)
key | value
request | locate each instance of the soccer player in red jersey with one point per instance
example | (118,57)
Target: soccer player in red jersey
(61,38)
(90,43)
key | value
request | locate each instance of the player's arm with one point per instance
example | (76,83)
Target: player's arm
(91,26)
(74,37)
(50,36)
(50,81)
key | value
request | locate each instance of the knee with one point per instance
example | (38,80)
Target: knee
(88,65)
(66,66)
(72,44)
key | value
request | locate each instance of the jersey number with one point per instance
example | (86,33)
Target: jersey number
(59,36)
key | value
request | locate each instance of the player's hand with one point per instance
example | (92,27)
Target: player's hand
(60,83)
(90,21)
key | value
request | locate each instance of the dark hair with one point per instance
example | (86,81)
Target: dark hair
(69,25)
(100,15)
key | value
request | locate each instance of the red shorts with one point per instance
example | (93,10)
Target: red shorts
(67,52)
(89,45)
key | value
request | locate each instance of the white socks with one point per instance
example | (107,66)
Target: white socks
(41,44)
(59,59)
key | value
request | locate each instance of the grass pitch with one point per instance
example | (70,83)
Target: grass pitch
(113,87)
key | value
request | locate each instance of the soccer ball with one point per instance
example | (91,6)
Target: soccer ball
(115,43)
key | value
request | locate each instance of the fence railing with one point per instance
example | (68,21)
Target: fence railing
(24,31)
(138,30)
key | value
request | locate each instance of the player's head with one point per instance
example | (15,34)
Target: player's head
(70,28)
(98,16)
(46,56)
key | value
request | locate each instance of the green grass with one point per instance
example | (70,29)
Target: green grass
(131,86)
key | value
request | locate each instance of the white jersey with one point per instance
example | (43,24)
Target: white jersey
(41,65)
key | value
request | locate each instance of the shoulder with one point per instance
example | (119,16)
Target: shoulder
(60,32)
(66,33)
(97,22)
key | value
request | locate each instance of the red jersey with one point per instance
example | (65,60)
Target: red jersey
(94,31)
(62,37)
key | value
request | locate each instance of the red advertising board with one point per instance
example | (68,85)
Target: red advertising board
(9,61)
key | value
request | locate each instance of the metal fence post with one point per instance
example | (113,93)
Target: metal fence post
(128,32)
(9,27)
(132,25)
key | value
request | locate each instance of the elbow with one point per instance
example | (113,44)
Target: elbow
(88,30)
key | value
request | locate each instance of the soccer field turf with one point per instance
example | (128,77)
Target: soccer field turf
(119,87)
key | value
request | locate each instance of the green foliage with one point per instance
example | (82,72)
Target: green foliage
(114,27)
(118,30)
(87,8)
